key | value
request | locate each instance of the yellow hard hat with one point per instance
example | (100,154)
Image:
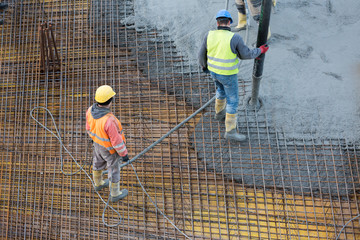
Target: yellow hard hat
(104,93)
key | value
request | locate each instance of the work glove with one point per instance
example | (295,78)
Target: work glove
(264,48)
(274,3)
(125,158)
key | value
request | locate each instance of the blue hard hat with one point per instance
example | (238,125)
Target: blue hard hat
(224,14)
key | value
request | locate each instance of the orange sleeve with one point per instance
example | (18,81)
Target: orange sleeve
(87,124)
(112,129)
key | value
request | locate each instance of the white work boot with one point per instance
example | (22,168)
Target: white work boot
(231,132)
(220,109)
(100,183)
(241,23)
(115,193)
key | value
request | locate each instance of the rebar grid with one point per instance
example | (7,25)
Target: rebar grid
(270,187)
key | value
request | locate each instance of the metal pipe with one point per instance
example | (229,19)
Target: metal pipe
(227,5)
(259,62)
(168,133)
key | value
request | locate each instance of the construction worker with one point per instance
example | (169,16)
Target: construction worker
(109,143)
(3,6)
(255,10)
(219,54)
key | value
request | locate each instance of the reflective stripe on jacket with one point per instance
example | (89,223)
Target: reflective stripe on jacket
(221,59)
(96,130)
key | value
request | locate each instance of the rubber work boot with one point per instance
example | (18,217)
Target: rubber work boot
(1,22)
(115,193)
(220,109)
(100,183)
(230,125)
(241,22)
(3,6)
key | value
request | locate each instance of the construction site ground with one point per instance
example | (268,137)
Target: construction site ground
(269,187)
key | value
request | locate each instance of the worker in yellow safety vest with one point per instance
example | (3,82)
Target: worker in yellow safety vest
(109,143)
(219,54)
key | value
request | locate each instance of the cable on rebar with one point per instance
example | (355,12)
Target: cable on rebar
(168,133)
(346,225)
(81,168)
(183,122)
(58,137)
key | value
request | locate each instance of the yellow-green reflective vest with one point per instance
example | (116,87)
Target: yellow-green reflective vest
(221,59)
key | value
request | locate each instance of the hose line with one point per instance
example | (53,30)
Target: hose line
(346,225)
(81,168)
(168,133)
(58,137)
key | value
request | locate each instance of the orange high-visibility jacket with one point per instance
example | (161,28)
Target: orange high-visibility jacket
(107,131)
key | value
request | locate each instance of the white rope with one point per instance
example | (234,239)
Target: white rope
(58,137)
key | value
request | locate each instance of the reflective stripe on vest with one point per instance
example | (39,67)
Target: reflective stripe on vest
(98,134)
(221,59)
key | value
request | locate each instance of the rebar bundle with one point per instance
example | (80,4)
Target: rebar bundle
(49,56)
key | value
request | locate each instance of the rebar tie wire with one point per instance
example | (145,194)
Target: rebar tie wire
(58,137)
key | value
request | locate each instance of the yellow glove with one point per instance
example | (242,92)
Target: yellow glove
(274,3)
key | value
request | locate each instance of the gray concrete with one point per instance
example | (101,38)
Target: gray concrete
(311,76)
(271,160)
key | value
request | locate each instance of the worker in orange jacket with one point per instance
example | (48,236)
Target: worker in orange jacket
(109,143)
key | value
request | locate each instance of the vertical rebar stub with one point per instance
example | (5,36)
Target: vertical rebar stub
(49,56)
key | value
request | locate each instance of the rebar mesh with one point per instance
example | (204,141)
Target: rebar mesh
(270,187)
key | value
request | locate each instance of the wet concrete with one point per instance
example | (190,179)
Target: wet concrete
(309,69)
(268,159)
(153,50)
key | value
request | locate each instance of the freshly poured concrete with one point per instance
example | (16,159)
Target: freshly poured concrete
(309,89)
(311,79)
